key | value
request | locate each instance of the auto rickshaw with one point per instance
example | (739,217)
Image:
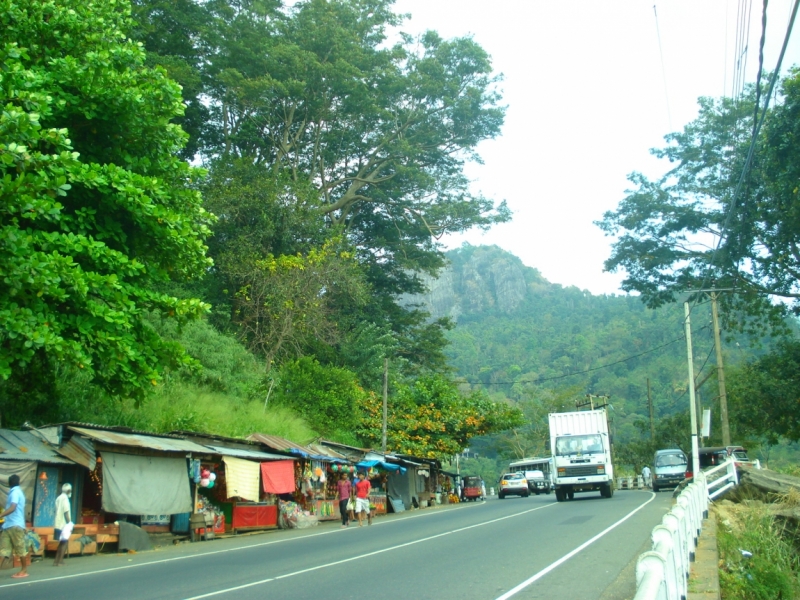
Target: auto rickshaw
(473,488)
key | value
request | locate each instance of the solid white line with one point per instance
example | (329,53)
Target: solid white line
(201,554)
(566,557)
(368,554)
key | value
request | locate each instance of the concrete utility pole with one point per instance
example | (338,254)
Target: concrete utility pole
(692,409)
(723,398)
(650,404)
(385,402)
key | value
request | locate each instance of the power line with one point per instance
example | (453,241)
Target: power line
(543,379)
(753,141)
(663,69)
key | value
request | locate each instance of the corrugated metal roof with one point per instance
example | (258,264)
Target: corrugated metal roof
(116,428)
(26,445)
(325,451)
(240,453)
(278,443)
(151,442)
(80,450)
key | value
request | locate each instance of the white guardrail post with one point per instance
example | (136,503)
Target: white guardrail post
(662,573)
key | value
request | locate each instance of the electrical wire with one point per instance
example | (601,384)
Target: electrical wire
(616,362)
(753,141)
(663,69)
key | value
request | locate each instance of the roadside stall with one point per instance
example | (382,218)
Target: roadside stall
(42,472)
(250,497)
(132,477)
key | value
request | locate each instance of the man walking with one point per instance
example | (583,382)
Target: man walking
(646,476)
(362,499)
(12,539)
(63,516)
(344,497)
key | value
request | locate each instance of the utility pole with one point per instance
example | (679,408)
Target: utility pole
(385,402)
(650,404)
(692,409)
(723,398)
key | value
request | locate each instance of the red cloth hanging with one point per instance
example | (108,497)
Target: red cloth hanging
(277,476)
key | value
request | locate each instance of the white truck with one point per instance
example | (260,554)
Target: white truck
(581,449)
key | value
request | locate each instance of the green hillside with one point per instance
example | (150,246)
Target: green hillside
(518,335)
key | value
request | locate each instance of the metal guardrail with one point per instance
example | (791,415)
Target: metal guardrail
(662,573)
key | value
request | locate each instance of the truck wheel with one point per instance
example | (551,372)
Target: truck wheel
(560,495)
(606,491)
(571,495)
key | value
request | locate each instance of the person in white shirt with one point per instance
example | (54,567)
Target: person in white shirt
(63,516)
(646,476)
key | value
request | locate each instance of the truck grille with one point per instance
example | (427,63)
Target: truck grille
(582,471)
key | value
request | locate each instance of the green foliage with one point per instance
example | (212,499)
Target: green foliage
(667,229)
(771,572)
(95,206)
(327,397)
(318,128)
(430,417)
(490,469)
(764,394)
(222,364)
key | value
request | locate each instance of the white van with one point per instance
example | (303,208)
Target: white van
(669,468)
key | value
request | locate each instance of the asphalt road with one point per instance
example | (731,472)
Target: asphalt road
(518,547)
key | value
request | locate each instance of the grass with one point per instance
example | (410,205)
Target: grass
(771,572)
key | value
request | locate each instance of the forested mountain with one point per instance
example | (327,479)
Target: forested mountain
(517,334)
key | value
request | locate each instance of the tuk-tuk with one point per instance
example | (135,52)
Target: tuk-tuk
(473,488)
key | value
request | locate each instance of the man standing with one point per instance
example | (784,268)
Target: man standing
(344,497)
(63,516)
(362,499)
(12,539)
(646,476)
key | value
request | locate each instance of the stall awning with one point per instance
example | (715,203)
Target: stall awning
(368,464)
(145,485)
(136,440)
(277,477)
(251,454)
(241,478)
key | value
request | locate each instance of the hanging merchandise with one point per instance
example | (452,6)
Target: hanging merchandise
(212,477)
(204,482)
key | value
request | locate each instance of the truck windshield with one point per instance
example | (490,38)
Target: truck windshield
(579,444)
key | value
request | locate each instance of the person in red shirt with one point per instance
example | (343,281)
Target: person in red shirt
(344,497)
(362,499)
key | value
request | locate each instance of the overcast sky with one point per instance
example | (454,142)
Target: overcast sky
(587,98)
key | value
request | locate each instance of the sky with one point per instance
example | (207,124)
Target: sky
(590,87)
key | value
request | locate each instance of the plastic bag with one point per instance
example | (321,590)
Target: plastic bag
(66,532)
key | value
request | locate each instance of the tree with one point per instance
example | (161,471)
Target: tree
(368,141)
(431,418)
(96,208)
(764,394)
(286,303)
(668,229)
(327,397)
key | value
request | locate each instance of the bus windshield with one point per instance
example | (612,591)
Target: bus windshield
(579,444)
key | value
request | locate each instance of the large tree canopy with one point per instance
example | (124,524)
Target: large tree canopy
(668,229)
(96,208)
(320,127)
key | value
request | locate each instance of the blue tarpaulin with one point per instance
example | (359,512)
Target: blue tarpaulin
(369,464)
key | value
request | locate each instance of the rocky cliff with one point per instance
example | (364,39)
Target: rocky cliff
(479,279)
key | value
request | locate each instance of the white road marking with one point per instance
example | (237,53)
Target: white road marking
(566,557)
(200,554)
(368,554)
